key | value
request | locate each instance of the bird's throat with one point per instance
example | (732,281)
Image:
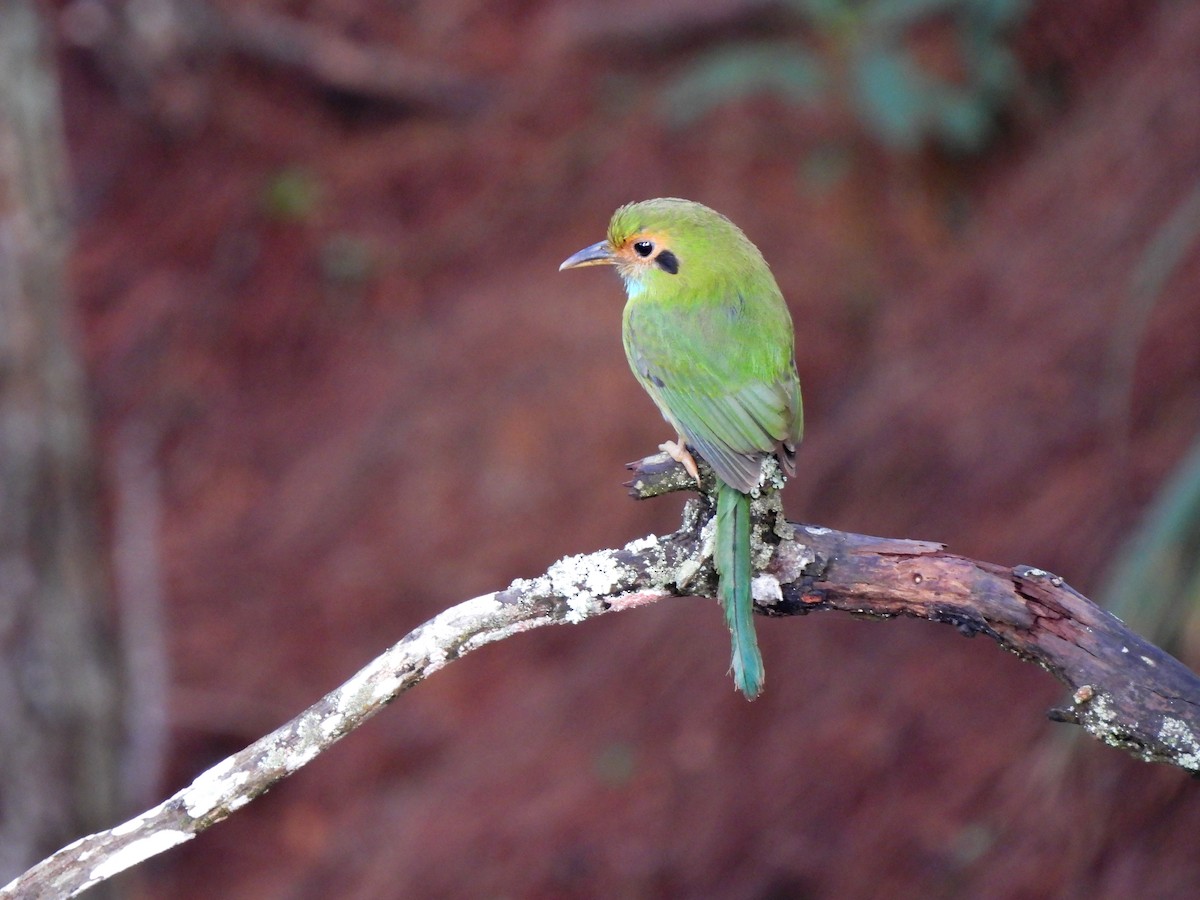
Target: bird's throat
(634,286)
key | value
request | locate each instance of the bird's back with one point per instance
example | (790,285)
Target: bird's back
(713,345)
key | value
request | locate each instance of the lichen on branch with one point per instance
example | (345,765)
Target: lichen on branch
(1124,691)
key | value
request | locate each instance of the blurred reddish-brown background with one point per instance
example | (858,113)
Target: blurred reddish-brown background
(328,346)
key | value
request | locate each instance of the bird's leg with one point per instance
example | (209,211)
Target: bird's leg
(678,451)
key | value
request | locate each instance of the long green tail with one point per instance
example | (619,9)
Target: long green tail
(732,558)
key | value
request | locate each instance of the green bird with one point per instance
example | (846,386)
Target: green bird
(708,335)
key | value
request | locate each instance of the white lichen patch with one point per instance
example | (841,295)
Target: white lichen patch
(642,544)
(581,580)
(522,586)
(1101,709)
(332,725)
(791,559)
(1148,661)
(386,687)
(445,630)
(761,554)
(292,752)
(1035,573)
(136,852)
(817,530)
(708,538)
(137,821)
(766,589)
(1099,719)
(212,788)
(1176,735)
(687,570)
(659,571)
(432,645)
(368,687)
(770,477)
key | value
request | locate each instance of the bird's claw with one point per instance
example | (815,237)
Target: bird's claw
(679,452)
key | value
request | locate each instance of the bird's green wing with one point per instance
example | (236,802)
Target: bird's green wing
(733,431)
(726,382)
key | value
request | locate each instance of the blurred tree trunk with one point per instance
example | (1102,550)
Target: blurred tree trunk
(59,721)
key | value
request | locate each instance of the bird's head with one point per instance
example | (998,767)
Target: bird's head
(666,243)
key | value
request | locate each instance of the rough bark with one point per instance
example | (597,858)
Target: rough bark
(1125,691)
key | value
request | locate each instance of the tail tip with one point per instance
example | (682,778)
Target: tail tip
(750,684)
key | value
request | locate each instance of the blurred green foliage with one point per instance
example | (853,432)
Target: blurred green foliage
(1155,582)
(866,54)
(291,194)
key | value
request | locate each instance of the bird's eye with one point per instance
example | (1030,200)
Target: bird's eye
(643,248)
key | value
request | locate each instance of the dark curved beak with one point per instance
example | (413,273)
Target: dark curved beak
(599,254)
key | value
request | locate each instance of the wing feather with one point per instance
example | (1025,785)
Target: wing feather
(721,370)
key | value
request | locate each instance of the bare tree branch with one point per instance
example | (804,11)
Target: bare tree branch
(1126,692)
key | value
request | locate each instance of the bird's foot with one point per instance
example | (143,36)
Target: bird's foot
(678,451)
